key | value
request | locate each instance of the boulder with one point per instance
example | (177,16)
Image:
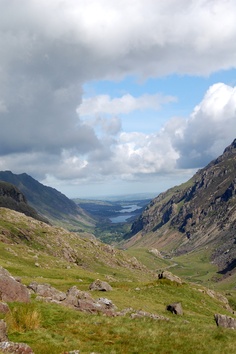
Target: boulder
(11,289)
(83,301)
(47,291)
(175,308)
(74,295)
(168,275)
(100,286)
(106,303)
(225,321)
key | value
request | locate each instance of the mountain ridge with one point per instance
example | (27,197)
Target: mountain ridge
(12,198)
(49,202)
(198,213)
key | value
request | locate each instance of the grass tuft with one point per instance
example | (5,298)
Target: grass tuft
(24,318)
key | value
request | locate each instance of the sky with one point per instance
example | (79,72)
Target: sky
(114,97)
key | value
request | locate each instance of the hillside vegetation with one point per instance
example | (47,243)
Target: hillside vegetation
(35,251)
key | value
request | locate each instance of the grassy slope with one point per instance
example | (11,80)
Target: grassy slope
(35,253)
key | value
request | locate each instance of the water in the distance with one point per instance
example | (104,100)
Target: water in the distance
(125,214)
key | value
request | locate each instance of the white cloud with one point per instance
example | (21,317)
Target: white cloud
(209,129)
(105,104)
(49,49)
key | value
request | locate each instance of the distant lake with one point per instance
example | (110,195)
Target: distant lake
(125,213)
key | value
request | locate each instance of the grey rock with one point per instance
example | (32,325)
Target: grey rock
(74,295)
(100,286)
(225,321)
(47,291)
(106,303)
(175,308)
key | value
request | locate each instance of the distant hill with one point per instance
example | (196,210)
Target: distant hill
(12,198)
(200,213)
(49,202)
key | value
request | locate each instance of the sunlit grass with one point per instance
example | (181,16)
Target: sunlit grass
(54,329)
(62,330)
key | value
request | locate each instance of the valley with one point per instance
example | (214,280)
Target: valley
(113,218)
(148,254)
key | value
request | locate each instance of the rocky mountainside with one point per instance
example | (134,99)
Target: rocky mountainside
(12,198)
(199,213)
(48,202)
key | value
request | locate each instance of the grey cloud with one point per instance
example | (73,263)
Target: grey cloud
(49,49)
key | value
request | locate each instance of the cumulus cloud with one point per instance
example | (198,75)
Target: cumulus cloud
(209,129)
(180,144)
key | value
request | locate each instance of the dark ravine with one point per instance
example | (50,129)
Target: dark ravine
(199,213)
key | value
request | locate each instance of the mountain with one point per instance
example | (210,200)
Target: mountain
(12,198)
(49,202)
(200,213)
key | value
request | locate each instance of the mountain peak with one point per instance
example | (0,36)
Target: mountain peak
(230,147)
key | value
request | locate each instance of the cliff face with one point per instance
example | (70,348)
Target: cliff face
(202,211)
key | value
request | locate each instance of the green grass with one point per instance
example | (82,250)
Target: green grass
(58,329)
(149,259)
(62,329)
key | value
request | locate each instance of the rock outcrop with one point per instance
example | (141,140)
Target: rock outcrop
(74,298)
